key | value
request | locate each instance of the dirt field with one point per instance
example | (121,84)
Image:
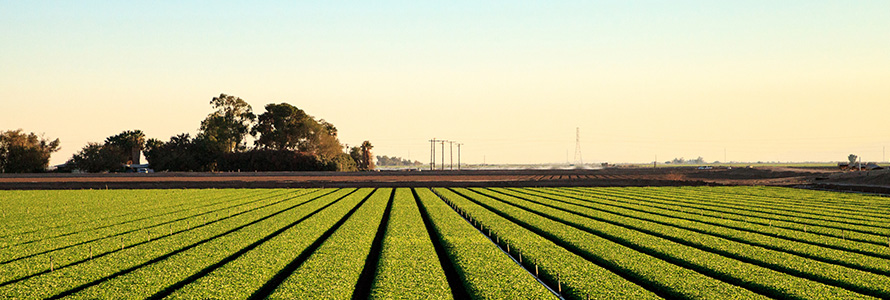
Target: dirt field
(602,177)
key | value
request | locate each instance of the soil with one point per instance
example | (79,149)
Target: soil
(514,178)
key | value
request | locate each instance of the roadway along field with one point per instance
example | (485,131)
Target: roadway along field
(445,243)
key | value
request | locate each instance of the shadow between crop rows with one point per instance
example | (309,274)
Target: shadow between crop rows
(180,250)
(774,267)
(816,243)
(362,288)
(269,287)
(140,229)
(458,290)
(207,270)
(99,255)
(115,224)
(649,284)
(723,236)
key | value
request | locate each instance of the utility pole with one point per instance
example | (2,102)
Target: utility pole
(451,153)
(433,154)
(458,156)
(578,160)
(724,155)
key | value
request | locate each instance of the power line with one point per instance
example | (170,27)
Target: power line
(578,160)
(451,144)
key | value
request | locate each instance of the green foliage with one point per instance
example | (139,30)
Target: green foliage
(362,156)
(95,158)
(111,156)
(272,160)
(286,127)
(110,222)
(408,267)
(579,276)
(127,144)
(200,253)
(229,124)
(333,270)
(183,153)
(242,275)
(608,243)
(25,153)
(343,163)
(681,161)
(396,161)
(837,225)
(367,162)
(282,127)
(485,271)
(754,264)
(828,242)
(712,264)
(356,154)
(73,269)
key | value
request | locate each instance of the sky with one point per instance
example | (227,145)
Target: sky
(511,80)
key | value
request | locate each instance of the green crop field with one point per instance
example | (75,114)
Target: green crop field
(445,243)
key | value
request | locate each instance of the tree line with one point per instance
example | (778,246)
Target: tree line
(286,139)
(25,153)
(396,161)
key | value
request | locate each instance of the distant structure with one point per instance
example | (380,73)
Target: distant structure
(578,160)
(451,144)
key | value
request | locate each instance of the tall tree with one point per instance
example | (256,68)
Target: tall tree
(228,125)
(324,142)
(95,158)
(128,145)
(367,163)
(183,153)
(282,127)
(25,153)
(356,154)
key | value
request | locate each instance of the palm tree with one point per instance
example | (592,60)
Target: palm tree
(367,160)
(129,144)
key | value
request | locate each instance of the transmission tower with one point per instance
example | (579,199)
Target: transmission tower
(578,160)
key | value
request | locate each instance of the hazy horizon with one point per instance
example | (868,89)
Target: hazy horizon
(756,80)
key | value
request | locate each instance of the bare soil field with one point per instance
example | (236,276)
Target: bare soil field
(876,181)
(514,178)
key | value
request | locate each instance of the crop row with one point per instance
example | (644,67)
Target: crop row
(334,269)
(729,229)
(824,234)
(26,266)
(800,216)
(486,273)
(82,275)
(448,243)
(408,266)
(584,263)
(116,220)
(53,215)
(765,281)
(160,223)
(729,251)
(274,251)
(853,202)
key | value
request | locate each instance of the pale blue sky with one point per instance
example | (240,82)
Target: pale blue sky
(768,80)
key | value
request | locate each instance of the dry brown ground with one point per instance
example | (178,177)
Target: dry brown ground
(603,177)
